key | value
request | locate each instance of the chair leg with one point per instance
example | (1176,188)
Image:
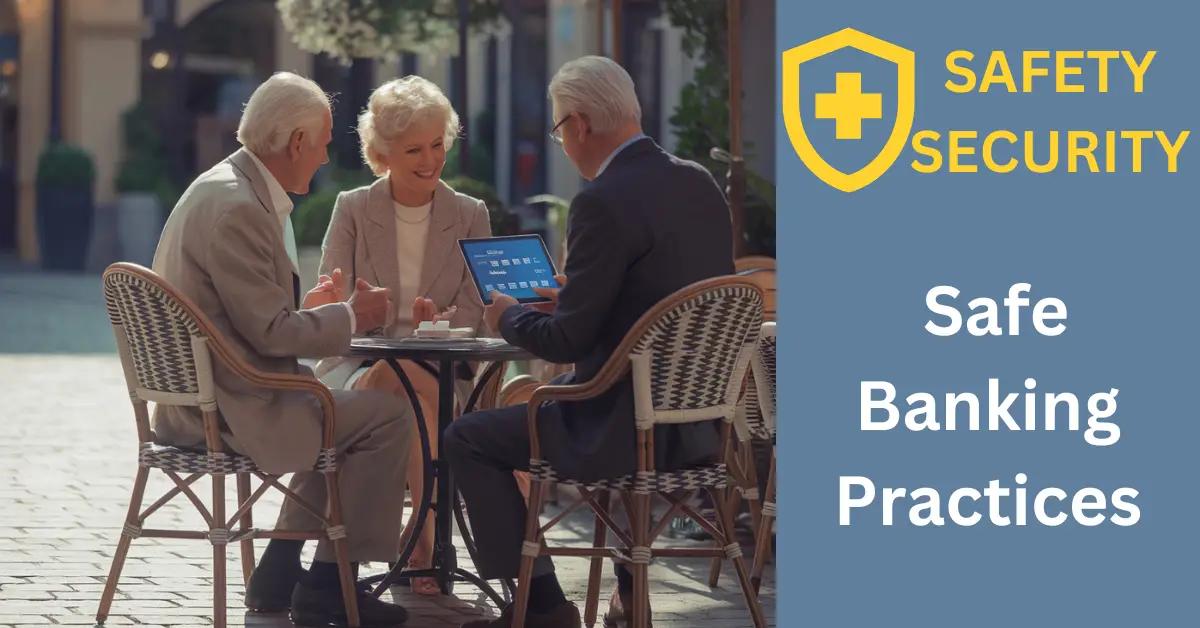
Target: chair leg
(641,570)
(247,522)
(341,552)
(599,540)
(218,546)
(750,467)
(762,540)
(131,522)
(733,502)
(728,455)
(739,564)
(532,536)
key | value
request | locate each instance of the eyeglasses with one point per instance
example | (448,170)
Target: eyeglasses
(555,134)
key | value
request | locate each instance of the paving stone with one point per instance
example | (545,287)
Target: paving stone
(67,466)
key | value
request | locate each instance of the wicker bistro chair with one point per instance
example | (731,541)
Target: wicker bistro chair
(167,348)
(754,262)
(688,356)
(757,422)
(766,279)
(754,423)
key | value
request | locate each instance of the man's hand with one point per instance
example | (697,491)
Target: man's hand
(328,290)
(424,309)
(371,306)
(549,293)
(491,313)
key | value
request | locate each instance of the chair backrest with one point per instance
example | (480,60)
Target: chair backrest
(160,337)
(692,351)
(765,279)
(760,394)
(753,262)
(517,390)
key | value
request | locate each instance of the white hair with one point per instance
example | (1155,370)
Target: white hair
(393,108)
(277,108)
(598,88)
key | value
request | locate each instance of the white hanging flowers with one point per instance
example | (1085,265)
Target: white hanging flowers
(372,29)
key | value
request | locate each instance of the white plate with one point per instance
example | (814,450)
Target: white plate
(456,332)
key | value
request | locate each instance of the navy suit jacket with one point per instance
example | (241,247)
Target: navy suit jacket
(650,224)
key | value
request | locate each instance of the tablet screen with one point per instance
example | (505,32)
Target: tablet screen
(514,265)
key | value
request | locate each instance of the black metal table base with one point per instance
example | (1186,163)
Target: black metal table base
(445,560)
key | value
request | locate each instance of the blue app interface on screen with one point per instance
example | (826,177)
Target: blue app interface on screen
(514,267)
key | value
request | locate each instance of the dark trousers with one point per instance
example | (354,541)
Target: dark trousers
(483,449)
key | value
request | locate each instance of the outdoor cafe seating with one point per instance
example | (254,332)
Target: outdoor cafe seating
(690,358)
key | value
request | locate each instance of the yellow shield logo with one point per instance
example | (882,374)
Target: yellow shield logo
(848,106)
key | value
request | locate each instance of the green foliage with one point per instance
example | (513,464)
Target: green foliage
(556,205)
(479,12)
(557,209)
(481,133)
(144,168)
(65,165)
(381,29)
(426,16)
(759,226)
(350,178)
(311,216)
(503,221)
(701,120)
(483,165)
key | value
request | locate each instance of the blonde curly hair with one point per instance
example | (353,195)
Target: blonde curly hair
(393,108)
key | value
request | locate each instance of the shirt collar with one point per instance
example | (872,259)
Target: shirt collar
(280,201)
(614,154)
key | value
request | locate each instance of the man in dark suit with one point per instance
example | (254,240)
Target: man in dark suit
(645,225)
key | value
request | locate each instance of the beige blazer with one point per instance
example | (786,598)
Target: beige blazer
(361,240)
(223,247)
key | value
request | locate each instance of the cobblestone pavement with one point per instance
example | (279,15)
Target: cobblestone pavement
(67,460)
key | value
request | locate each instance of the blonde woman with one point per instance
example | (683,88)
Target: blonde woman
(401,233)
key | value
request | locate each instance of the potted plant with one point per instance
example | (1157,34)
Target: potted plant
(504,222)
(310,218)
(143,187)
(382,29)
(65,175)
(557,209)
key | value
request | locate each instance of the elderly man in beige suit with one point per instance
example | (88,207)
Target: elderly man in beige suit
(228,245)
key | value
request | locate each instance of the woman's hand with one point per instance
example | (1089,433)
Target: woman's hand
(424,309)
(328,290)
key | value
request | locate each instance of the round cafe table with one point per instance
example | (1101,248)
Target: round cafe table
(441,357)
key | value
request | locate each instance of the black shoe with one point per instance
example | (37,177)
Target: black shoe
(270,589)
(620,611)
(565,615)
(324,607)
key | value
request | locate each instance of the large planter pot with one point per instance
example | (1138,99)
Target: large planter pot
(139,225)
(64,226)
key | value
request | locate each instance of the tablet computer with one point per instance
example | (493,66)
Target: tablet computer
(514,265)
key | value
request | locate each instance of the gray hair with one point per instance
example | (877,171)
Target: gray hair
(393,108)
(599,88)
(277,108)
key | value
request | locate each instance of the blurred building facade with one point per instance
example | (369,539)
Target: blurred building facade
(193,63)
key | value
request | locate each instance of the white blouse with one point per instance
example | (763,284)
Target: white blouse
(412,231)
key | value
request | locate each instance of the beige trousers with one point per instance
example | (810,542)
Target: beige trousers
(373,434)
